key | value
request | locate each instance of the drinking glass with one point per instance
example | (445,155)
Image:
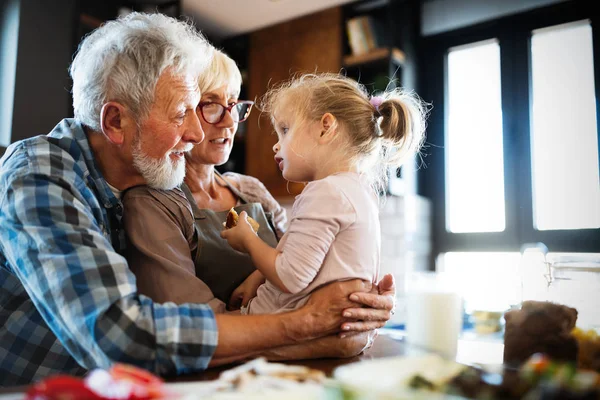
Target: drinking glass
(434,312)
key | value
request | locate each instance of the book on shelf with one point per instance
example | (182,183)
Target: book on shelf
(362,34)
(368,26)
(356,37)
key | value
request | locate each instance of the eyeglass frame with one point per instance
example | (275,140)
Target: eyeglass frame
(225,109)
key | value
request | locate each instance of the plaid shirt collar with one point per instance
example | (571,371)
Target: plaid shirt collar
(70,132)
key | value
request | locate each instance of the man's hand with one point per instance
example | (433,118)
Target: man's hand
(378,305)
(324,308)
(247,290)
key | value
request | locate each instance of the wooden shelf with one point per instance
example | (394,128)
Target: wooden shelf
(90,21)
(380,54)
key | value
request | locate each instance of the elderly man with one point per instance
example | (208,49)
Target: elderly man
(68,301)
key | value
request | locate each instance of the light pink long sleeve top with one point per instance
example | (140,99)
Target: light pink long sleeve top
(333,235)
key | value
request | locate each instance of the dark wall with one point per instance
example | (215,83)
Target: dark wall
(42,83)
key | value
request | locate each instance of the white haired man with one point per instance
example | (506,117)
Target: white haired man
(68,301)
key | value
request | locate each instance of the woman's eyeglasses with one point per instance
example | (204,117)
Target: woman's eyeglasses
(213,113)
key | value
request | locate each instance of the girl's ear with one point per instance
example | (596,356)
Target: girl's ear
(328,128)
(115,121)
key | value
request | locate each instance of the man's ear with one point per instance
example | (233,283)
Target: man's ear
(114,122)
(328,128)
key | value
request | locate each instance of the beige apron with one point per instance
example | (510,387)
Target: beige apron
(218,265)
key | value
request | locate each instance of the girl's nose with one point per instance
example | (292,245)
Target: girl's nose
(276,147)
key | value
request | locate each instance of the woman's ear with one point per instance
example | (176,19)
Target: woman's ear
(328,128)
(114,122)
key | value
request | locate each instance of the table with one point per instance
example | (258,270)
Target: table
(388,344)
(383,346)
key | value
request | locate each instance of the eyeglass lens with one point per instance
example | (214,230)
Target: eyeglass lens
(213,112)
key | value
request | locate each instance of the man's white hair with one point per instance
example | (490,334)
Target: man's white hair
(122,60)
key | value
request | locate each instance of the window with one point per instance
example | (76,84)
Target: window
(9,34)
(513,137)
(564,145)
(488,280)
(474,164)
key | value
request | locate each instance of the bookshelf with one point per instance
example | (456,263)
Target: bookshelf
(393,54)
(371,53)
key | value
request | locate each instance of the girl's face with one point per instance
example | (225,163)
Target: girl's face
(216,146)
(294,150)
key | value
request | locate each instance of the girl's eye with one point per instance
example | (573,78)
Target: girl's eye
(284,130)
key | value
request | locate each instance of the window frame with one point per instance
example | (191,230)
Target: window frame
(514,37)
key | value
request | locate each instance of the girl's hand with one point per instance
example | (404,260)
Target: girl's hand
(247,290)
(239,235)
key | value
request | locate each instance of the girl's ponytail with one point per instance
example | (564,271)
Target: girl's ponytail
(401,121)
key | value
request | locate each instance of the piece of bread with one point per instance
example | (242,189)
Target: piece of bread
(232,220)
(540,327)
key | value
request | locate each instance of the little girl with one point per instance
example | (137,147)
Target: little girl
(340,141)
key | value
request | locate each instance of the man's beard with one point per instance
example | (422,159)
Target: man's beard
(158,173)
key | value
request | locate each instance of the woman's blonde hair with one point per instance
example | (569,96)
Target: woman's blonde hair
(382,131)
(220,72)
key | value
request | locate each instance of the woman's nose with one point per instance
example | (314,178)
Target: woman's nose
(227,121)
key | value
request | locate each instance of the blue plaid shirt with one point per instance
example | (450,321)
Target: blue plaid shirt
(68,301)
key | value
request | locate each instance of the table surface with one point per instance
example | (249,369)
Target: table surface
(388,344)
(382,347)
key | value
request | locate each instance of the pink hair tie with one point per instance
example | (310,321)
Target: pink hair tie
(376,102)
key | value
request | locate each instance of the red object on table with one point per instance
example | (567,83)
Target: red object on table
(133,383)
(61,387)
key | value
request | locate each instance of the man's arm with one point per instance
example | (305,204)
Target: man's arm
(330,346)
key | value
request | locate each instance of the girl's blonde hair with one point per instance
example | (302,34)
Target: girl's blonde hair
(383,131)
(221,71)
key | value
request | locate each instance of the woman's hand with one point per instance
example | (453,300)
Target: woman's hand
(378,306)
(239,235)
(247,290)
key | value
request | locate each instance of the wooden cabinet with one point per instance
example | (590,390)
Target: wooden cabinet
(308,44)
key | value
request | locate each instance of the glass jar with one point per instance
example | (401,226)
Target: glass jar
(569,279)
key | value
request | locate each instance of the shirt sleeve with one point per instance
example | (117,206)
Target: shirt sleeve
(159,226)
(255,191)
(85,291)
(320,212)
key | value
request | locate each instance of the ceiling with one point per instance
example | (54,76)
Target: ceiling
(220,19)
